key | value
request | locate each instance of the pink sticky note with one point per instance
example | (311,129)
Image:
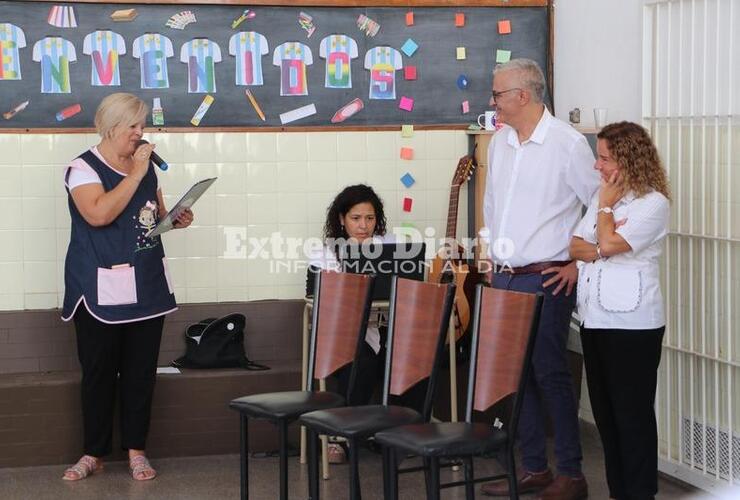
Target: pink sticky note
(465,107)
(409,72)
(409,18)
(459,19)
(406,104)
(504,27)
(407,153)
(407,202)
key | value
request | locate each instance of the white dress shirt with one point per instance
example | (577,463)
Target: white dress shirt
(535,192)
(623,291)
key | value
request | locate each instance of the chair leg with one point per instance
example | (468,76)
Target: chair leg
(354,471)
(244,457)
(392,475)
(511,470)
(469,485)
(433,487)
(427,476)
(386,473)
(313,464)
(283,436)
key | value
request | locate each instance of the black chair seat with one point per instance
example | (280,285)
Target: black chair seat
(359,421)
(445,439)
(287,405)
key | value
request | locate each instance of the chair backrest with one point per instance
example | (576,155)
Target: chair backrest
(417,326)
(340,313)
(504,328)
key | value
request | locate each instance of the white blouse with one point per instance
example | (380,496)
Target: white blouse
(623,291)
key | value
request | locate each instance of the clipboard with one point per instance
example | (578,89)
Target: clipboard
(188,200)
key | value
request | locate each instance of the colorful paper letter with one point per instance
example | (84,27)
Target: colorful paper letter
(338,50)
(383,63)
(248,47)
(152,50)
(105,47)
(293,58)
(54,54)
(12,38)
(201,56)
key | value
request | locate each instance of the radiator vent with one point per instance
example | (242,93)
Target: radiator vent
(693,446)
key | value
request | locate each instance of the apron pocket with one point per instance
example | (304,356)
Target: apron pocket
(619,289)
(117,286)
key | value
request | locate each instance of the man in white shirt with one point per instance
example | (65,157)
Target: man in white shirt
(540,175)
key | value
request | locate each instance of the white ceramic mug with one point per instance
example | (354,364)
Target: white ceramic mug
(489,122)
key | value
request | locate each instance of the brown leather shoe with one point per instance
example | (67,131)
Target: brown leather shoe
(565,488)
(527,482)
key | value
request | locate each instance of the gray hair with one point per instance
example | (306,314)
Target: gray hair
(530,75)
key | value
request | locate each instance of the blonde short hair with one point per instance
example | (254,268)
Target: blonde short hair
(119,110)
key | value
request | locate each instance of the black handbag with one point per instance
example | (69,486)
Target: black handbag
(217,343)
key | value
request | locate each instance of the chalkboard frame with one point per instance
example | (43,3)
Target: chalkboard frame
(321,3)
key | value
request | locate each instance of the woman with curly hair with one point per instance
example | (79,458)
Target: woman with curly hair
(619,243)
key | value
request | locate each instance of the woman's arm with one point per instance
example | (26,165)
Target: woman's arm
(610,242)
(581,249)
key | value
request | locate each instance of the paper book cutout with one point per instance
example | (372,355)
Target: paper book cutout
(201,55)
(338,50)
(104,48)
(152,51)
(12,39)
(248,47)
(383,62)
(293,59)
(54,54)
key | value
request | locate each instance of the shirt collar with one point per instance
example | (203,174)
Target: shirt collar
(538,134)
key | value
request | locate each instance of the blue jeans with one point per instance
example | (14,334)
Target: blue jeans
(549,382)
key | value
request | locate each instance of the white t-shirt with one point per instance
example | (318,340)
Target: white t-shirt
(81,173)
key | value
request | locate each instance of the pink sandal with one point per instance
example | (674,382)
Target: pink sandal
(140,468)
(85,466)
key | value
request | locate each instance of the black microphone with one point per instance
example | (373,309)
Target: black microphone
(158,161)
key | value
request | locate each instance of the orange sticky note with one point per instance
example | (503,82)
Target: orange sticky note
(504,27)
(407,153)
(409,18)
(459,19)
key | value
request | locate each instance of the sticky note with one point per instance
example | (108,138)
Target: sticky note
(409,47)
(409,18)
(407,153)
(460,53)
(459,19)
(406,104)
(465,107)
(407,130)
(407,202)
(503,56)
(409,72)
(504,27)
(408,180)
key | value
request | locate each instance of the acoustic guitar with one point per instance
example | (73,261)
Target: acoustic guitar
(449,266)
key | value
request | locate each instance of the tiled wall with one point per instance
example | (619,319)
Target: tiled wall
(267,182)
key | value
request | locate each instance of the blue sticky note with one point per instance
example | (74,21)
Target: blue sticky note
(462,82)
(407,180)
(409,47)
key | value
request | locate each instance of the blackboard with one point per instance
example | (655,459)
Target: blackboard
(437,98)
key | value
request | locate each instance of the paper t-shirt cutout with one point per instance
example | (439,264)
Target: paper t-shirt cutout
(248,47)
(383,63)
(104,48)
(152,51)
(293,57)
(54,54)
(338,50)
(201,56)
(12,38)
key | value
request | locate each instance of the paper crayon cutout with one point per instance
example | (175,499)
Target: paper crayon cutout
(201,56)
(383,63)
(407,130)
(62,16)
(408,180)
(124,15)
(462,82)
(409,47)
(306,23)
(460,53)
(504,27)
(255,104)
(68,112)
(180,20)
(293,59)
(409,72)
(104,48)
(12,39)
(406,104)
(407,203)
(297,114)
(202,110)
(409,18)
(465,107)
(152,51)
(503,56)
(11,113)
(338,50)
(349,109)
(54,54)
(246,14)
(248,47)
(367,25)
(459,19)
(407,153)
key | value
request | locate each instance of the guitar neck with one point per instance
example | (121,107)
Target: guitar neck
(451,231)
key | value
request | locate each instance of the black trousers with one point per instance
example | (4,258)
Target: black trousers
(621,371)
(123,355)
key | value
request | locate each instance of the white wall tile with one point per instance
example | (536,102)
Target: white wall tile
(11,180)
(38,213)
(201,272)
(292,176)
(253,293)
(11,246)
(170,147)
(33,301)
(39,180)
(231,210)
(40,245)
(39,277)
(201,295)
(262,208)
(351,172)
(383,175)
(232,273)
(232,178)
(440,145)
(321,176)
(322,146)
(382,146)
(292,208)
(292,146)
(418,143)
(14,302)
(230,147)
(199,147)
(232,294)
(10,145)
(12,273)
(351,146)
(261,177)
(201,241)
(174,243)
(261,147)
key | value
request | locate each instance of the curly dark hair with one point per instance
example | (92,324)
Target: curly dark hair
(343,203)
(640,166)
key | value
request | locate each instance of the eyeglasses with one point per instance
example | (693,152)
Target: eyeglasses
(496,95)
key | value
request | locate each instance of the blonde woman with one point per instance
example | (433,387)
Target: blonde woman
(117,288)
(620,241)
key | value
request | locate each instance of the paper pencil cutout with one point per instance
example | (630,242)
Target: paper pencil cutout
(10,114)
(297,114)
(255,105)
(202,110)
(349,109)
(68,112)
(306,23)
(247,14)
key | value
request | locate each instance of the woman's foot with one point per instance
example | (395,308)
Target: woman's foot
(141,469)
(336,453)
(85,466)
